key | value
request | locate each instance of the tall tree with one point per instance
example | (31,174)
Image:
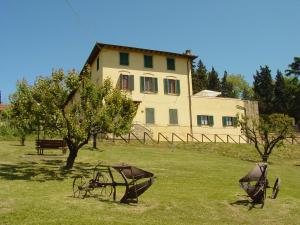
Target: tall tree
(21,111)
(239,85)
(213,81)
(294,67)
(280,96)
(226,87)
(199,78)
(264,90)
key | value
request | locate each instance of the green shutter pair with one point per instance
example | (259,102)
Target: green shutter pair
(148,61)
(173,116)
(209,118)
(234,121)
(130,81)
(170,64)
(150,116)
(166,86)
(124,58)
(154,83)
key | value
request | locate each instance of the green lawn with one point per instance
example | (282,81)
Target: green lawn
(196,184)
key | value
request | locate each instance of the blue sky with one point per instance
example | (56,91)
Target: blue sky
(234,35)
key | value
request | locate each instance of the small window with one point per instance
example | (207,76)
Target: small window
(205,120)
(124,59)
(170,63)
(172,86)
(150,116)
(97,63)
(148,61)
(148,85)
(173,116)
(126,82)
(229,121)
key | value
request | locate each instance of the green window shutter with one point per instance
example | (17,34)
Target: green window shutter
(211,121)
(131,82)
(148,61)
(155,89)
(124,58)
(173,116)
(178,87)
(198,120)
(166,86)
(150,115)
(120,81)
(170,64)
(224,121)
(235,122)
(142,85)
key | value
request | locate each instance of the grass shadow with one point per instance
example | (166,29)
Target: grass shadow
(44,170)
(246,203)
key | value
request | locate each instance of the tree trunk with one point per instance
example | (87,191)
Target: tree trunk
(95,141)
(71,158)
(22,141)
(265,158)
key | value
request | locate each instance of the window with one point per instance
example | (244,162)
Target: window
(126,82)
(204,120)
(229,121)
(170,64)
(150,116)
(97,63)
(172,86)
(173,116)
(148,61)
(148,85)
(124,59)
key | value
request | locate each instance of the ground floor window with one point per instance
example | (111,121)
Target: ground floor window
(203,120)
(150,116)
(229,121)
(173,117)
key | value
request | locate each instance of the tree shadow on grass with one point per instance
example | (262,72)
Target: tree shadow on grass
(44,170)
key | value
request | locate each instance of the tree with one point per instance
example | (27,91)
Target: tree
(264,90)
(239,85)
(199,78)
(294,67)
(226,87)
(74,108)
(21,111)
(280,96)
(267,132)
(213,81)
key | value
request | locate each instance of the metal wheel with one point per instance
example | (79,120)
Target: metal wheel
(80,187)
(104,184)
(276,188)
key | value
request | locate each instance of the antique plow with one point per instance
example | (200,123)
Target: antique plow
(135,180)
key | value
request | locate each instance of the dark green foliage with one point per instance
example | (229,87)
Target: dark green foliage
(199,77)
(294,67)
(213,81)
(226,87)
(264,90)
(280,97)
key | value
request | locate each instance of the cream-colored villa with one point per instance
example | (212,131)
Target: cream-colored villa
(160,82)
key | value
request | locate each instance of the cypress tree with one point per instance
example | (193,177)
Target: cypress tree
(199,78)
(280,97)
(264,90)
(226,87)
(213,81)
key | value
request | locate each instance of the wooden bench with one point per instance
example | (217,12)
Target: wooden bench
(50,144)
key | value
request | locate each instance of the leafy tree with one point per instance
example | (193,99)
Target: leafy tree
(90,109)
(264,90)
(294,67)
(226,87)
(213,81)
(21,111)
(239,85)
(280,96)
(247,94)
(267,132)
(199,78)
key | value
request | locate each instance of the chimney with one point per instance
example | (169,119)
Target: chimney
(188,52)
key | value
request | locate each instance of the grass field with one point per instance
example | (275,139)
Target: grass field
(195,184)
